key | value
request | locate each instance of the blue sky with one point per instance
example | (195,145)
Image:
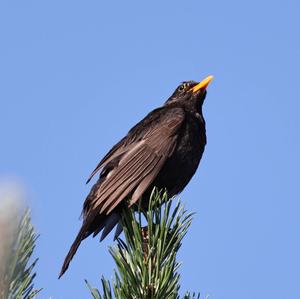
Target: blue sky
(76,75)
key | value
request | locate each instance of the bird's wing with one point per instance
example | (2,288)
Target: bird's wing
(126,143)
(117,150)
(139,162)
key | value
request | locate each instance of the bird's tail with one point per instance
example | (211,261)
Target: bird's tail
(81,235)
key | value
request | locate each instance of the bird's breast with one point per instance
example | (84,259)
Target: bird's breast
(183,163)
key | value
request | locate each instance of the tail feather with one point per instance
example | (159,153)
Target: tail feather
(107,223)
(110,223)
(81,235)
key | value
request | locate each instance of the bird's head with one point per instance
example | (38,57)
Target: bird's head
(190,93)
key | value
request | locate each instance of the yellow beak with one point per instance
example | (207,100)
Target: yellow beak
(203,84)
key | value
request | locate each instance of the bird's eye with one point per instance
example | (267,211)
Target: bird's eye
(182,87)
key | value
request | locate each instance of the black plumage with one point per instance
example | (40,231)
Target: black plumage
(163,150)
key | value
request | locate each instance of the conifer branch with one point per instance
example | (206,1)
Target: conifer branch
(146,265)
(18,273)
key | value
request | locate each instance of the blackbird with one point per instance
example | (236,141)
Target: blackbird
(163,150)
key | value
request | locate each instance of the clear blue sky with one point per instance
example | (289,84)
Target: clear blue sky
(76,75)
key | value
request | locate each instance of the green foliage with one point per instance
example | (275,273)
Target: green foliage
(146,265)
(18,279)
(188,295)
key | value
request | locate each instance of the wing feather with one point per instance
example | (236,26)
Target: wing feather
(129,181)
(132,184)
(134,135)
(149,178)
(120,170)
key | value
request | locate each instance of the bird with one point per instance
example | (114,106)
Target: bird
(163,150)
